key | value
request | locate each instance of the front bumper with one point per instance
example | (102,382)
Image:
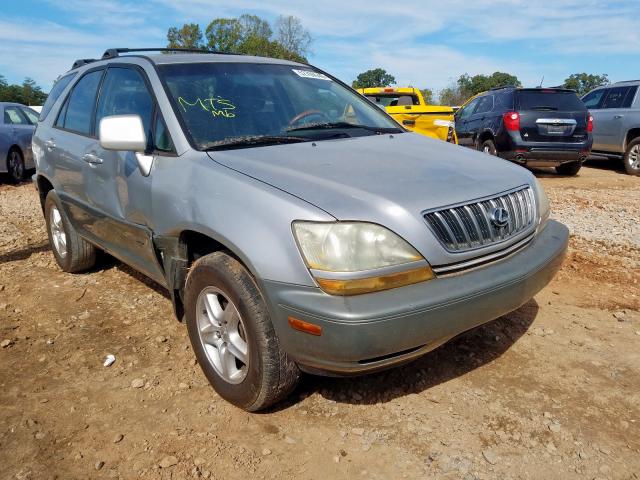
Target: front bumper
(375,331)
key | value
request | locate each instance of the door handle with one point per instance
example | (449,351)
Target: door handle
(618,116)
(92,159)
(408,122)
(50,145)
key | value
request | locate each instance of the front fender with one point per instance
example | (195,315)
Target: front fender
(249,217)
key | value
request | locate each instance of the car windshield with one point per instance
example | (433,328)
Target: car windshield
(223,104)
(552,100)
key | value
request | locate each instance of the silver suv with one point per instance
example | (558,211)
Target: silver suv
(616,130)
(296,225)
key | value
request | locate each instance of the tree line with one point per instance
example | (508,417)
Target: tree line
(28,93)
(466,86)
(247,34)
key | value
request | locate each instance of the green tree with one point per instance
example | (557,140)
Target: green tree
(470,86)
(29,93)
(451,96)
(583,83)
(251,35)
(376,77)
(292,35)
(427,94)
(224,35)
(188,36)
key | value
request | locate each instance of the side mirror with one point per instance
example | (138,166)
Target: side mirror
(122,132)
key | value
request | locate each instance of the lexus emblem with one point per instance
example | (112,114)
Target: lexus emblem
(500,217)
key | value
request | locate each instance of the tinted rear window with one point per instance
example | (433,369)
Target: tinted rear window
(54,94)
(548,100)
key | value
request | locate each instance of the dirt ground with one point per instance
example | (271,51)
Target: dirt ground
(550,391)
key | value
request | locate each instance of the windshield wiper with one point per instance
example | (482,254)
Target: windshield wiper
(252,140)
(336,125)
(544,107)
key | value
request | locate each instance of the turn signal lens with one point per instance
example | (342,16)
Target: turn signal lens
(375,284)
(511,121)
(305,327)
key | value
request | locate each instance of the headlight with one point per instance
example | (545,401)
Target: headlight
(543,203)
(348,258)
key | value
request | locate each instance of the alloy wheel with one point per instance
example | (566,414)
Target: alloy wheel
(222,334)
(16,167)
(58,235)
(634,157)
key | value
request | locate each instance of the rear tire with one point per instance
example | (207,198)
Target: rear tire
(15,166)
(489,148)
(72,252)
(232,335)
(569,169)
(632,157)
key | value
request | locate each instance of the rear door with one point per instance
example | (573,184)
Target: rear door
(476,122)
(462,122)
(551,116)
(610,122)
(20,130)
(71,140)
(592,102)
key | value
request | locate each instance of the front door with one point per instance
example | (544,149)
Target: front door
(465,136)
(117,190)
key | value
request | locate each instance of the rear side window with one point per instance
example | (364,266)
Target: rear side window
(619,97)
(504,100)
(485,104)
(13,116)
(31,115)
(552,100)
(615,97)
(77,114)
(124,92)
(55,92)
(593,99)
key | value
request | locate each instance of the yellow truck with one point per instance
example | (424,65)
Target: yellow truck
(408,107)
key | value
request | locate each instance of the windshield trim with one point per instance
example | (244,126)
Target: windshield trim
(187,133)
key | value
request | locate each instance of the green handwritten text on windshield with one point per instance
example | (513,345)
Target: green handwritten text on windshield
(216,106)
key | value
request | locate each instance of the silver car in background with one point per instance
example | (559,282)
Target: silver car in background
(17,124)
(616,122)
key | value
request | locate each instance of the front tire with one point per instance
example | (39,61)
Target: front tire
(569,169)
(15,166)
(632,157)
(232,335)
(72,252)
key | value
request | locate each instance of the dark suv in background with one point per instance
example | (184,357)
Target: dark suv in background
(535,127)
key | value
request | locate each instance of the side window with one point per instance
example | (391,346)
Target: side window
(615,97)
(504,100)
(467,111)
(631,94)
(13,116)
(55,92)
(485,104)
(77,113)
(31,115)
(124,92)
(592,100)
(162,139)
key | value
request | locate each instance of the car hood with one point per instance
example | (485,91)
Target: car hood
(375,177)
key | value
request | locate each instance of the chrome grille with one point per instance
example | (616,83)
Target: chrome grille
(469,226)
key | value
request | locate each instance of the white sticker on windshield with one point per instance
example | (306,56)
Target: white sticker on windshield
(310,74)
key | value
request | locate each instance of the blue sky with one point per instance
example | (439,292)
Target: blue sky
(425,43)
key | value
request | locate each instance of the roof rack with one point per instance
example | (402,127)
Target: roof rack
(626,81)
(115,52)
(81,62)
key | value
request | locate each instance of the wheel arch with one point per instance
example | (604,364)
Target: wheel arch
(177,253)
(44,187)
(632,134)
